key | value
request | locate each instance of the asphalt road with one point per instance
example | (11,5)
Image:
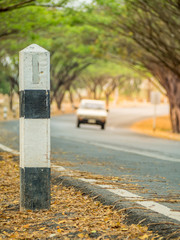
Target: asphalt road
(151,164)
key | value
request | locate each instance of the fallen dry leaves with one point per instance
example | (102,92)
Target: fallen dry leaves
(72,215)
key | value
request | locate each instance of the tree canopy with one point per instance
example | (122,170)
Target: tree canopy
(146,33)
(142,35)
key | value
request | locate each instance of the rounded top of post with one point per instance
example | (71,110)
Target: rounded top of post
(34,48)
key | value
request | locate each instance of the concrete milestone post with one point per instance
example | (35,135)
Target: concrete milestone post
(34,67)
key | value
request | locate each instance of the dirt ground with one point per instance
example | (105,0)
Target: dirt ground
(163,128)
(72,214)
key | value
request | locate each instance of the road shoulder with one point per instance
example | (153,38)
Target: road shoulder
(134,213)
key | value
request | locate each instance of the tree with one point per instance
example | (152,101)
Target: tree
(8,5)
(39,17)
(30,11)
(149,28)
(9,77)
(71,54)
(102,78)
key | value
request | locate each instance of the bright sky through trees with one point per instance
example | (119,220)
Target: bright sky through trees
(80,2)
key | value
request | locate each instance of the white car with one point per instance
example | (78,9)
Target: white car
(92,112)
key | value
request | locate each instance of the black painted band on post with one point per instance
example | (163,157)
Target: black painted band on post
(35,188)
(35,104)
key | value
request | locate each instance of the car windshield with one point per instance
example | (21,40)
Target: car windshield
(97,106)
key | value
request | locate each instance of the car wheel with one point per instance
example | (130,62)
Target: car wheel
(78,124)
(103,126)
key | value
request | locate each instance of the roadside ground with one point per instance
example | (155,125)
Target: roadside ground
(72,214)
(163,128)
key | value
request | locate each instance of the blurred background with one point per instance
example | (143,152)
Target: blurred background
(119,51)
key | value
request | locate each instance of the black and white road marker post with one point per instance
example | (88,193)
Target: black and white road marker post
(34,77)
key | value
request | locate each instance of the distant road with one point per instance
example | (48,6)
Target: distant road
(125,117)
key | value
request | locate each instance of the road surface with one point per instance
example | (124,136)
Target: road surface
(147,166)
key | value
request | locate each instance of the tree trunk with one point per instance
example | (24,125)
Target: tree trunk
(79,95)
(107,101)
(171,83)
(11,94)
(174,101)
(11,101)
(94,93)
(71,97)
(100,93)
(148,91)
(59,98)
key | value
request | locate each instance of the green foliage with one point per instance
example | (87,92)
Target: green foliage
(111,68)
(74,36)
(4,84)
(71,53)
(146,30)
(21,27)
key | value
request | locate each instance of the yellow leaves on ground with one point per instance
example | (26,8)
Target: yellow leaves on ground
(117,225)
(149,236)
(145,236)
(124,229)
(62,221)
(72,215)
(60,230)
(26,226)
(106,219)
(81,235)
(115,178)
(43,228)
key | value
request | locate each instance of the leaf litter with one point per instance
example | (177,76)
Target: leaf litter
(72,215)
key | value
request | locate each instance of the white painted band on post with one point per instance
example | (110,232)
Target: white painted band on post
(35,143)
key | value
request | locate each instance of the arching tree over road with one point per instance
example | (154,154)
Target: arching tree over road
(152,27)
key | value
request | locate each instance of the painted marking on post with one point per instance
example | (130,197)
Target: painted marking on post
(35,104)
(34,128)
(35,68)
